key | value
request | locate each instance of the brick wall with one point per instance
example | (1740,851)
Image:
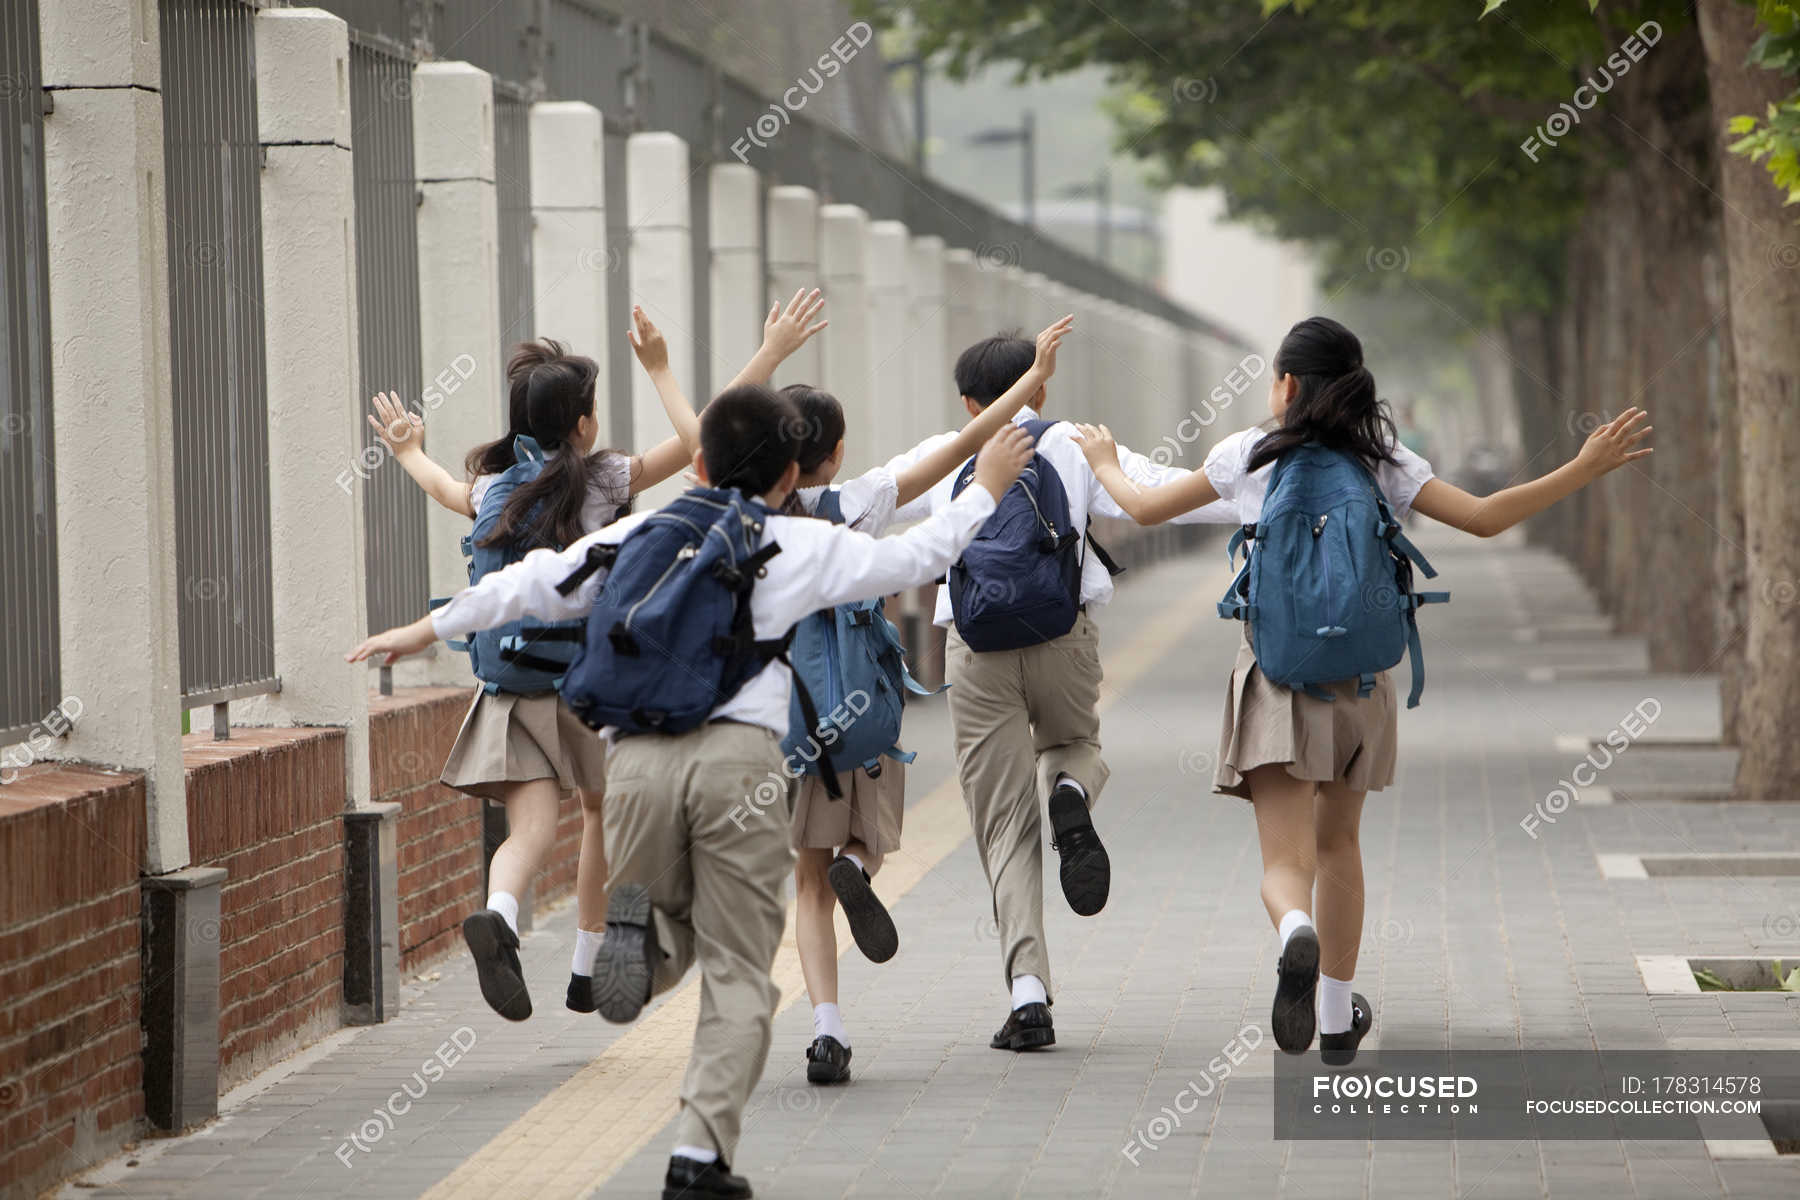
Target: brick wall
(267,805)
(71,1066)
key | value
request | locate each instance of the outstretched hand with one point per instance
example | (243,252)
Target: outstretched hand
(1002,458)
(395,643)
(786,330)
(1047,341)
(399,428)
(1615,443)
(1097,444)
(647,341)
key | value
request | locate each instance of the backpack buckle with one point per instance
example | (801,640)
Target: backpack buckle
(622,642)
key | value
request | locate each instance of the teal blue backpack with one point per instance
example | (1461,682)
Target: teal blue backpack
(850,661)
(1327,584)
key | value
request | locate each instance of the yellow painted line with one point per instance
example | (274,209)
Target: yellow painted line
(582,1132)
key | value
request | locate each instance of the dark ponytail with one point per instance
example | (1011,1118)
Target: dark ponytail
(552,390)
(1335,405)
(821,425)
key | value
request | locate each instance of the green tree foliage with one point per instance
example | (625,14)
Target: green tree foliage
(1773,137)
(1387,133)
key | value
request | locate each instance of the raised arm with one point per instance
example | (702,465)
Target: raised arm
(402,431)
(1607,449)
(784,331)
(671,454)
(918,477)
(1145,505)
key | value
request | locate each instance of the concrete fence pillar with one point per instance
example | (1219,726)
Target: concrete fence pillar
(115,511)
(734,230)
(658,208)
(964,322)
(315,406)
(928,356)
(459,298)
(889,375)
(793,233)
(844,274)
(569,255)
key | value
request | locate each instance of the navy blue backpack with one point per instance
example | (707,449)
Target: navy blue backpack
(1019,582)
(669,637)
(854,668)
(1327,585)
(528,655)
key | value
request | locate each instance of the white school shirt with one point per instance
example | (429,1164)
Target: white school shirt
(1227,466)
(820,565)
(868,502)
(609,490)
(1086,498)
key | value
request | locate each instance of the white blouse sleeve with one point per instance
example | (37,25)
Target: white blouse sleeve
(1224,464)
(868,501)
(1401,479)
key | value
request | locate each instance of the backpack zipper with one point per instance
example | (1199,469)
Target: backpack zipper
(1032,500)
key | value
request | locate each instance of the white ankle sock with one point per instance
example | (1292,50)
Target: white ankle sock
(1028,989)
(859,863)
(1334,1005)
(507,905)
(702,1154)
(1071,782)
(587,944)
(829,1022)
(1291,921)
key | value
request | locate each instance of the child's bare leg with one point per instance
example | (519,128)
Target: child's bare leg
(1340,879)
(493,933)
(590,871)
(1284,827)
(814,934)
(531,811)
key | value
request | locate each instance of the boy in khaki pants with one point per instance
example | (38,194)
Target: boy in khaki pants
(1026,718)
(697,840)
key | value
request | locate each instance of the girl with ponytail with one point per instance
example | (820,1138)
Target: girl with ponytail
(526,750)
(1306,763)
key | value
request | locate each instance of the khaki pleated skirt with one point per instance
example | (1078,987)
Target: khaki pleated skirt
(508,738)
(870,812)
(1350,740)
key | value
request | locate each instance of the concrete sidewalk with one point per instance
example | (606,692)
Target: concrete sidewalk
(1479,935)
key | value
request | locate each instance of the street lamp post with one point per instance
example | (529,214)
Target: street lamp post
(1026,137)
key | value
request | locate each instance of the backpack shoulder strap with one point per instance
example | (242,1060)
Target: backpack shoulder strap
(1036,428)
(830,506)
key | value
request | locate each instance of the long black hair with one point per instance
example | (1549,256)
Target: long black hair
(1336,404)
(557,390)
(821,424)
(491,458)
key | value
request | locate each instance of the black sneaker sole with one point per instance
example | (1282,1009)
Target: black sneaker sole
(581,994)
(1026,1039)
(622,966)
(1294,1018)
(1086,876)
(501,986)
(870,923)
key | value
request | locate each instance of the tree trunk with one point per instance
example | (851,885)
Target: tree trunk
(1763,271)
(1728,498)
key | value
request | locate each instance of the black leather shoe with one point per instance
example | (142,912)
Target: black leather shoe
(581,993)
(623,966)
(870,923)
(1339,1049)
(690,1180)
(1026,1028)
(495,948)
(827,1061)
(1295,1016)
(1086,872)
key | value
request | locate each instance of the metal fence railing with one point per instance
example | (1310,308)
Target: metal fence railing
(512,196)
(29,678)
(387,314)
(213,201)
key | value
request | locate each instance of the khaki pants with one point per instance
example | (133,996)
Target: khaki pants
(701,819)
(1023,717)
